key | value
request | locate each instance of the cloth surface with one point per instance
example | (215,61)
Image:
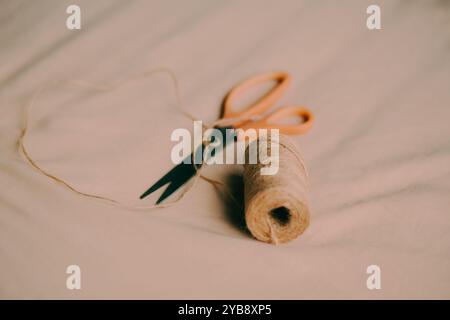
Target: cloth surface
(378,155)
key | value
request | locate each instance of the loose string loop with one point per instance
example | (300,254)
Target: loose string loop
(85,84)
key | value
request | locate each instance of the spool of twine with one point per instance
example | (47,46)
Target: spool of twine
(276,206)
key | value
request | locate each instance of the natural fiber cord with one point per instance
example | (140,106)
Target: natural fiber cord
(276,206)
(102,87)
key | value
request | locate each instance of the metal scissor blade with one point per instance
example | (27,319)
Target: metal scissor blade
(177,177)
(184,175)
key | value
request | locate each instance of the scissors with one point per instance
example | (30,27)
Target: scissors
(255,116)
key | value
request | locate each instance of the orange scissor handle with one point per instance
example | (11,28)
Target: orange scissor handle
(264,103)
(271,121)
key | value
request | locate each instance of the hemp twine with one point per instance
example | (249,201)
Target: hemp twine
(108,88)
(276,206)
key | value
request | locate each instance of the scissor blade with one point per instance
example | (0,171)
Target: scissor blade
(178,176)
(183,175)
(184,171)
(178,173)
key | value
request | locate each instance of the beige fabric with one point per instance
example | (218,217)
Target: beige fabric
(377,157)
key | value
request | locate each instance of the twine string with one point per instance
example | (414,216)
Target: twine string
(277,207)
(80,83)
